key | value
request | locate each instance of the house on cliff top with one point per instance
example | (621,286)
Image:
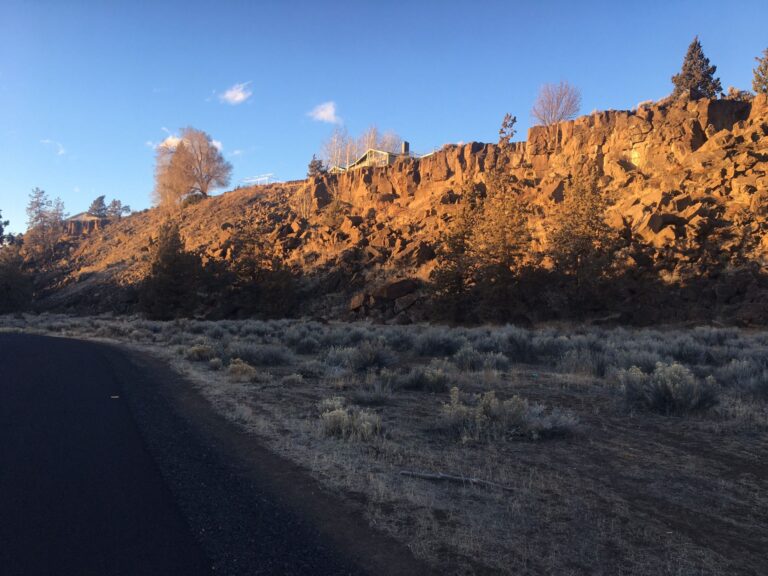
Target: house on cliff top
(373,157)
(84,224)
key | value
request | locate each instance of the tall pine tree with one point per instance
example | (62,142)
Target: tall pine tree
(696,75)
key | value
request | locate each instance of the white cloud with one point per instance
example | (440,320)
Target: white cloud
(237,94)
(218,145)
(325,112)
(236,153)
(60,150)
(170,142)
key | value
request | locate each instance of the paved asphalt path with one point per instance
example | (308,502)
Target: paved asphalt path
(111,465)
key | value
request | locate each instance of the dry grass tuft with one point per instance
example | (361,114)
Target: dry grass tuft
(488,418)
(240,371)
(349,422)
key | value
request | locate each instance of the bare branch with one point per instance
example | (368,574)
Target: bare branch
(556,103)
(440,477)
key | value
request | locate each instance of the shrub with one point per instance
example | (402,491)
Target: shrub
(584,361)
(215,364)
(518,344)
(255,328)
(468,359)
(495,361)
(332,403)
(214,332)
(671,389)
(548,346)
(489,342)
(438,342)
(241,371)
(334,336)
(292,380)
(306,345)
(351,423)
(311,369)
(492,419)
(299,338)
(399,339)
(714,336)
(353,336)
(339,357)
(430,379)
(646,360)
(199,353)
(750,376)
(684,348)
(260,355)
(370,355)
(366,356)
(375,388)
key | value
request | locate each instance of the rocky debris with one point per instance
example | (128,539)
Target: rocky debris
(390,299)
(395,290)
(681,176)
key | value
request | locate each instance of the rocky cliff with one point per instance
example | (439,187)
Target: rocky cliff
(681,176)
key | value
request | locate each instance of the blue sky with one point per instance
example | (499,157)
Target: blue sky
(87,87)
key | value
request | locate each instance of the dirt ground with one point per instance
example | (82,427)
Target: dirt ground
(557,473)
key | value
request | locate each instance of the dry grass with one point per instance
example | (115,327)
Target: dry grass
(614,456)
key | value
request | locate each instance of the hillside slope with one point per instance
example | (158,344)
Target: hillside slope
(687,182)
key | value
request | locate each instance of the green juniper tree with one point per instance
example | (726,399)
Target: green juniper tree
(452,280)
(581,243)
(116,209)
(316,167)
(697,74)
(170,290)
(15,283)
(98,208)
(3,224)
(760,79)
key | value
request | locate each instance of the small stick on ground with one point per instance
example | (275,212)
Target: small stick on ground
(441,477)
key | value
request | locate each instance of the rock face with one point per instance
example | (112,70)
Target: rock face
(681,176)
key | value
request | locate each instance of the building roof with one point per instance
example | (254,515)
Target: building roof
(83,217)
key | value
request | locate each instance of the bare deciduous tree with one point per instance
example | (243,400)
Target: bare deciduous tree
(337,148)
(556,103)
(369,139)
(302,202)
(390,142)
(191,165)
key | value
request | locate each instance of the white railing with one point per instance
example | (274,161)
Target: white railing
(260,180)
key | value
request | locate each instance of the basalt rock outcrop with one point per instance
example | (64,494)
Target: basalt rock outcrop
(686,178)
